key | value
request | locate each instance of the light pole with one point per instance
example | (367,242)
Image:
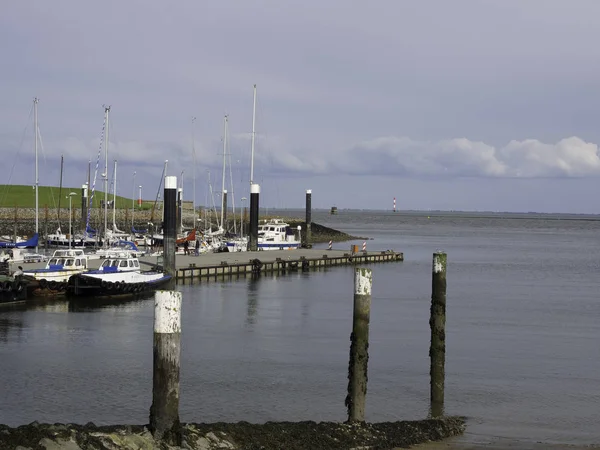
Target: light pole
(133,200)
(70,196)
(140,197)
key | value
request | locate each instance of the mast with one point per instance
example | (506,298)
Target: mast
(37,178)
(60,189)
(225,120)
(115,197)
(106,111)
(193,173)
(253,135)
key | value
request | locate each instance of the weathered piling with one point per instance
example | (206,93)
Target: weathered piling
(359,345)
(179,209)
(164,412)
(437,323)
(170,226)
(307,232)
(84,206)
(254,204)
(224,206)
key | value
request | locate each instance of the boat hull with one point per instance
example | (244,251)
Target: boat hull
(115,285)
(14,290)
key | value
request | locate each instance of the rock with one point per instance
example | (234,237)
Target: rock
(59,444)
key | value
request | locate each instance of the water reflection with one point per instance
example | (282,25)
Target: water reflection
(11,328)
(252,305)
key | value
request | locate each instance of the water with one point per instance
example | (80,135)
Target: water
(523,359)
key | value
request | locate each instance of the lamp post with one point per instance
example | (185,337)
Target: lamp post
(70,196)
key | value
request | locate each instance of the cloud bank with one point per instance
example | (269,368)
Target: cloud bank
(386,156)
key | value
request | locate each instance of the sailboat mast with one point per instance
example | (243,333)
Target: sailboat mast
(60,188)
(225,119)
(37,178)
(253,135)
(106,111)
(193,173)
(115,197)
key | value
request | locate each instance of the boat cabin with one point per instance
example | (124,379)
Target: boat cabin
(67,259)
(122,262)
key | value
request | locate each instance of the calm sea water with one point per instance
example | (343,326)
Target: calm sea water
(523,328)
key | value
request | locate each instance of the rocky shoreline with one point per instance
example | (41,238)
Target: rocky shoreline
(234,436)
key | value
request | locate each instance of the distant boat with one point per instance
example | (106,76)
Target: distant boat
(29,243)
(52,280)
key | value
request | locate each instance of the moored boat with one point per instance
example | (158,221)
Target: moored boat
(52,280)
(119,275)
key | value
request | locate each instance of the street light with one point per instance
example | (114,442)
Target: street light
(70,196)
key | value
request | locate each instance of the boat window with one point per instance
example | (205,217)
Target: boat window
(106,263)
(123,264)
(115,263)
(61,261)
(130,263)
(77,262)
(53,261)
(69,262)
(136,263)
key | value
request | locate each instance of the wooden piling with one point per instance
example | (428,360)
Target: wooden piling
(164,412)
(359,345)
(224,206)
(179,210)
(254,205)
(437,323)
(307,232)
(84,206)
(170,225)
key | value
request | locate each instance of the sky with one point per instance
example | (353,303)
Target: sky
(465,105)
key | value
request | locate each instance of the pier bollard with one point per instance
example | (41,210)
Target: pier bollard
(170,226)
(437,323)
(359,345)
(164,412)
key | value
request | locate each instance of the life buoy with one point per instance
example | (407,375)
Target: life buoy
(6,286)
(52,285)
(43,283)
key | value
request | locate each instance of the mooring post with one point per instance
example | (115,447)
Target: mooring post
(437,323)
(307,233)
(359,345)
(170,225)
(179,210)
(164,412)
(84,206)
(224,206)
(254,204)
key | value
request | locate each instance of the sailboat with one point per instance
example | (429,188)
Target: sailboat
(272,235)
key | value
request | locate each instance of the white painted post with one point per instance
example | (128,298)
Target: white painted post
(164,412)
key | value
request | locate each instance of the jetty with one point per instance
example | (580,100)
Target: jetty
(217,265)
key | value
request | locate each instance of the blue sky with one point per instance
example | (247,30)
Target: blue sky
(473,105)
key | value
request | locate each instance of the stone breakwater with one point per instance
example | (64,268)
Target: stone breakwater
(24,222)
(234,436)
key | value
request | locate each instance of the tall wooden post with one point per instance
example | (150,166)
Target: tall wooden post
(164,412)
(307,233)
(437,323)
(359,345)
(170,225)
(254,205)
